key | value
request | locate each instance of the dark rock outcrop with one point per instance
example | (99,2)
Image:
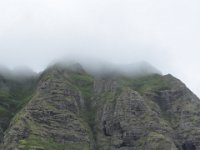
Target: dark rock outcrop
(72,110)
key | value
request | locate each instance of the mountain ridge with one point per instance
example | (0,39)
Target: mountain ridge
(73,110)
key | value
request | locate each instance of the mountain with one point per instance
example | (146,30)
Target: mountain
(14,94)
(68,108)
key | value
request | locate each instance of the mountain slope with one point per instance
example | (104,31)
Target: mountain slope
(73,110)
(159,113)
(51,119)
(13,96)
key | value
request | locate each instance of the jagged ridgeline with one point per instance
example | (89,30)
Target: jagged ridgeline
(70,107)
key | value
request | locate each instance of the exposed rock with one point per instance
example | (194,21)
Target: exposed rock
(104,85)
(72,110)
(53,114)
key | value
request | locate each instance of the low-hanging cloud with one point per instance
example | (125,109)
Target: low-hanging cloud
(101,69)
(164,33)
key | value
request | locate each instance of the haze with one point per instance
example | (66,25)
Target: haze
(164,33)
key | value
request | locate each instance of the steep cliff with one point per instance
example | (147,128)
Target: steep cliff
(150,113)
(73,110)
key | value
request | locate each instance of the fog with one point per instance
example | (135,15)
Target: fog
(103,68)
(18,73)
(164,33)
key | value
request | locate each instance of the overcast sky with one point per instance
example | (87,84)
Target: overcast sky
(165,33)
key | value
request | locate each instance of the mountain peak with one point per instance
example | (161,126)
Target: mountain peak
(68,107)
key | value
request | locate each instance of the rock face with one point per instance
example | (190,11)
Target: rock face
(51,120)
(72,110)
(166,119)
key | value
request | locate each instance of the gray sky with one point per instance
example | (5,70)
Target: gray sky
(165,33)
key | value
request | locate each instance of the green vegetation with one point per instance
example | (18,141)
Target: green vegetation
(13,96)
(34,142)
(84,83)
(147,83)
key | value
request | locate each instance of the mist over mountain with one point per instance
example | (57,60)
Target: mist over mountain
(99,68)
(97,106)
(18,73)
(99,75)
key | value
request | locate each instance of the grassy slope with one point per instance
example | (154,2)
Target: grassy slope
(13,96)
(151,83)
